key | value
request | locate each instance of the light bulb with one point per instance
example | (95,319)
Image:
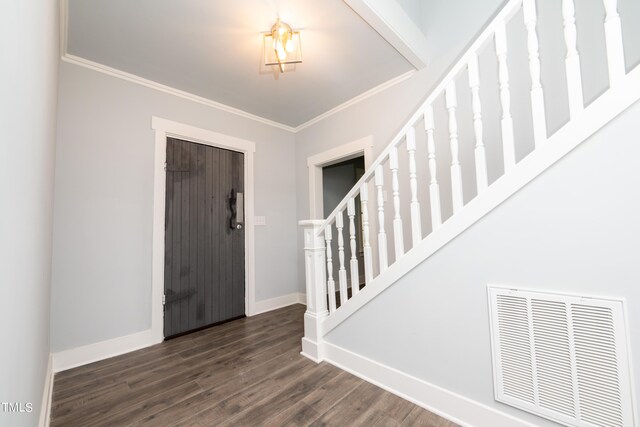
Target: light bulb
(282,55)
(290,46)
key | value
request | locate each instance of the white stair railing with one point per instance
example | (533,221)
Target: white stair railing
(320,287)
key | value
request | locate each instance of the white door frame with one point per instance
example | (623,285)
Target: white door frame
(315,163)
(167,128)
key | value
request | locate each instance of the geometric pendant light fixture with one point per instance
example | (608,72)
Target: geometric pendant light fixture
(282,46)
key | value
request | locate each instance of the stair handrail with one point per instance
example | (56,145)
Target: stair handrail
(502,16)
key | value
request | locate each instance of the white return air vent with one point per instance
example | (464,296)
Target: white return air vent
(561,357)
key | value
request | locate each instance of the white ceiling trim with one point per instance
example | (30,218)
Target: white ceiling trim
(364,95)
(395,26)
(132,78)
(95,66)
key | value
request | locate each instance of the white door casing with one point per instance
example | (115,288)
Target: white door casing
(165,128)
(315,163)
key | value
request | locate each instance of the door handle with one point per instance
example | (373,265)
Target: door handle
(236,201)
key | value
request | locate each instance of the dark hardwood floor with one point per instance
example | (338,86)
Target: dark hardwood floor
(248,372)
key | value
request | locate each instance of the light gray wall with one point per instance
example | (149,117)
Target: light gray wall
(574,229)
(413,8)
(383,114)
(103,210)
(28,84)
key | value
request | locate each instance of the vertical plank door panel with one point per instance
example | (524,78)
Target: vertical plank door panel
(238,237)
(194,229)
(184,243)
(204,256)
(168,237)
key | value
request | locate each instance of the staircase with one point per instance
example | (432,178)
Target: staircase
(395,242)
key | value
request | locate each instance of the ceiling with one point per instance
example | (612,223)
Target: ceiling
(213,49)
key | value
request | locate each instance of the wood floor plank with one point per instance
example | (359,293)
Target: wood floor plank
(296,415)
(246,372)
(234,402)
(219,357)
(352,409)
(316,403)
(332,392)
(217,372)
(83,399)
(149,406)
(389,410)
(206,336)
(280,397)
(134,373)
(419,417)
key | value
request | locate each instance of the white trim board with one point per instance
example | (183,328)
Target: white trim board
(600,112)
(47,395)
(132,78)
(393,24)
(166,128)
(101,68)
(74,357)
(440,401)
(356,99)
(315,163)
(278,302)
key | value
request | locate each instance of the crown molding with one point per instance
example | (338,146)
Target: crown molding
(123,75)
(101,68)
(358,98)
(76,60)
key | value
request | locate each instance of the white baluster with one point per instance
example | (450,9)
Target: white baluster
(353,263)
(366,244)
(342,272)
(416,222)
(434,188)
(480,153)
(382,236)
(398,239)
(331,284)
(537,96)
(613,35)
(506,124)
(456,172)
(572,61)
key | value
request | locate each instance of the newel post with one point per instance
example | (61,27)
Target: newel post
(315,276)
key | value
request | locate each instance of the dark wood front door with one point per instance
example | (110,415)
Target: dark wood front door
(204,281)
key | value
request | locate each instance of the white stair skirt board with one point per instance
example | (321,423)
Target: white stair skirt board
(278,302)
(74,357)
(449,405)
(603,110)
(47,394)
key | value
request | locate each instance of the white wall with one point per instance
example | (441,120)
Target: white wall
(383,114)
(28,84)
(103,210)
(573,229)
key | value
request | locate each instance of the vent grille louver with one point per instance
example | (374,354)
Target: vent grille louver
(561,357)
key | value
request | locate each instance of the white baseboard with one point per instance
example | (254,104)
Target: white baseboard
(454,407)
(278,302)
(47,392)
(79,356)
